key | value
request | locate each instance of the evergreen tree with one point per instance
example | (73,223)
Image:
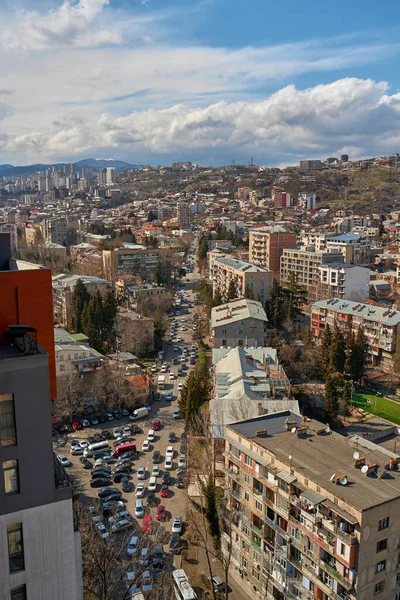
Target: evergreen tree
(92,322)
(274,307)
(325,348)
(338,350)
(360,355)
(231,293)
(348,366)
(248,293)
(345,399)
(80,299)
(295,297)
(109,313)
(158,277)
(202,249)
(331,396)
(217,299)
(396,358)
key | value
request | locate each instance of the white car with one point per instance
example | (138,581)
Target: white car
(64,460)
(121,514)
(177,525)
(171,376)
(132,546)
(169,452)
(73,444)
(150,435)
(153,368)
(117,432)
(96,517)
(180,386)
(168,464)
(176,414)
(141,473)
(156,471)
(163,368)
(182,461)
(143,556)
(85,423)
(146,446)
(121,525)
(83,444)
(140,490)
(102,531)
(152,484)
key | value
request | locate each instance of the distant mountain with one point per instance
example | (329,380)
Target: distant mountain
(94,163)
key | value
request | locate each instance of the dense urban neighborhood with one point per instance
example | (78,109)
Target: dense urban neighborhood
(200,381)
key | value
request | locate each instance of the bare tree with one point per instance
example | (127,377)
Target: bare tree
(70,395)
(111,388)
(241,409)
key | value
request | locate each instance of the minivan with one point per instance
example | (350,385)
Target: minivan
(139,510)
(152,484)
(97,446)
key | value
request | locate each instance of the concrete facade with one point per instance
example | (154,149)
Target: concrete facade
(245,276)
(266,246)
(238,323)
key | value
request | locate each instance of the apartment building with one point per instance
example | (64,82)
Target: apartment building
(310,513)
(247,382)
(137,297)
(266,246)
(39,545)
(54,230)
(280,198)
(239,322)
(306,265)
(63,289)
(307,201)
(310,165)
(10,228)
(184,215)
(355,248)
(136,333)
(133,260)
(74,356)
(380,325)
(244,275)
(316,239)
(345,281)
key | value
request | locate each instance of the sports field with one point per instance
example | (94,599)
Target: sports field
(382,407)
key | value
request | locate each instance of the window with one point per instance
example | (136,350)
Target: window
(19,593)
(255,574)
(379,587)
(383,524)
(8,436)
(245,547)
(240,331)
(381,566)
(15,548)
(244,563)
(247,478)
(247,496)
(62,367)
(245,529)
(224,343)
(248,461)
(259,506)
(342,549)
(382,545)
(11,477)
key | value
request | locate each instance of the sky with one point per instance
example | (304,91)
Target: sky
(211,81)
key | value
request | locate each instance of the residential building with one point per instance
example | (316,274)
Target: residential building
(345,281)
(184,215)
(305,265)
(140,389)
(266,246)
(40,546)
(310,165)
(316,239)
(136,297)
(247,382)
(55,254)
(10,228)
(355,248)
(63,289)
(54,230)
(307,201)
(346,224)
(75,357)
(26,298)
(380,325)
(240,322)
(280,198)
(136,333)
(134,259)
(111,175)
(33,235)
(310,513)
(245,276)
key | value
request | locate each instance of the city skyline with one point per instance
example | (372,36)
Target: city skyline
(151,82)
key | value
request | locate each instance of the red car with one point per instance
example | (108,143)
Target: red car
(161,515)
(77,425)
(164,491)
(156,425)
(146,523)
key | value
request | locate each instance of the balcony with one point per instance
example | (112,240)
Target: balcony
(348,537)
(257,530)
(256,545)
(270,522)
(237,493)
(332,571)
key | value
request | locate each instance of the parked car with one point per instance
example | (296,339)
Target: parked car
(101,418)
(164,492)
(146,523)
(152,484)
(169,452)
(120,514)
(177,525)
(77,425)
(85,423)
(117,433)
(140,490)
(177,544)
(107,492)
(180,481)
(156,425)
(146,446)
(161,514)
(176,414)
(122,525)
(117,413)
(127,485)
(182,461)
(109,507)
(124,412)
(109,417)
(118,477)
(100,482)
(141,473)
(85,463)
(155,471)
(156,457)
(168,464)
(102,531)
(135,429)
(151,499)
(93,420)
(133,545)
(150,436)
(171,437)
(168,396)
(64,461)
(166,477)
(77,451)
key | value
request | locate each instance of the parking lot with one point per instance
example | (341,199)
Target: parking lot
(162,410)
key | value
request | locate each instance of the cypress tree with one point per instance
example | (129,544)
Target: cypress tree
(80,299)
(360,355)
(331,396)
(326,346)
(231,294)
(345,399)
(338,350)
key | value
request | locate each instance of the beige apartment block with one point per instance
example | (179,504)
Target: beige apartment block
(245,275)
(266,246)
(310,514)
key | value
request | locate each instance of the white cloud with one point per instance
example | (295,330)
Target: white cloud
(72,23)
(349,113)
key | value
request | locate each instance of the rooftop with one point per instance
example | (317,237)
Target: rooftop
(241,265)
(318,454)
(237,310)
(345,237)
(383,315)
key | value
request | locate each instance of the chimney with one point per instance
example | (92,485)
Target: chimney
(260,409)
(261,432)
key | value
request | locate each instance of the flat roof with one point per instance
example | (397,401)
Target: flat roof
(382,314)
(318,455)
(241,265)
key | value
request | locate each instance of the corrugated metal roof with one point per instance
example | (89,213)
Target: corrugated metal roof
(285,476)
(312,497)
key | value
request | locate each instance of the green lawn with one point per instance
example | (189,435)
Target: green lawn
(382,407)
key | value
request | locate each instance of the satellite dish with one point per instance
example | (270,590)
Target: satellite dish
(332,478)
(356,455)
(343,481)
(364,469)
(327,429)
(293,430)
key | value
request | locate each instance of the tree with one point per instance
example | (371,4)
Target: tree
(360,355)
(345,399)
(158,276)
(231,293)
(92,321)
(109,314)
(331,396)
(80,299)
(248,293)
(325,349)
(202,250)
(217,299)
(274,307)
(70,396)
(295,297)
(338,350)
(159,329)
